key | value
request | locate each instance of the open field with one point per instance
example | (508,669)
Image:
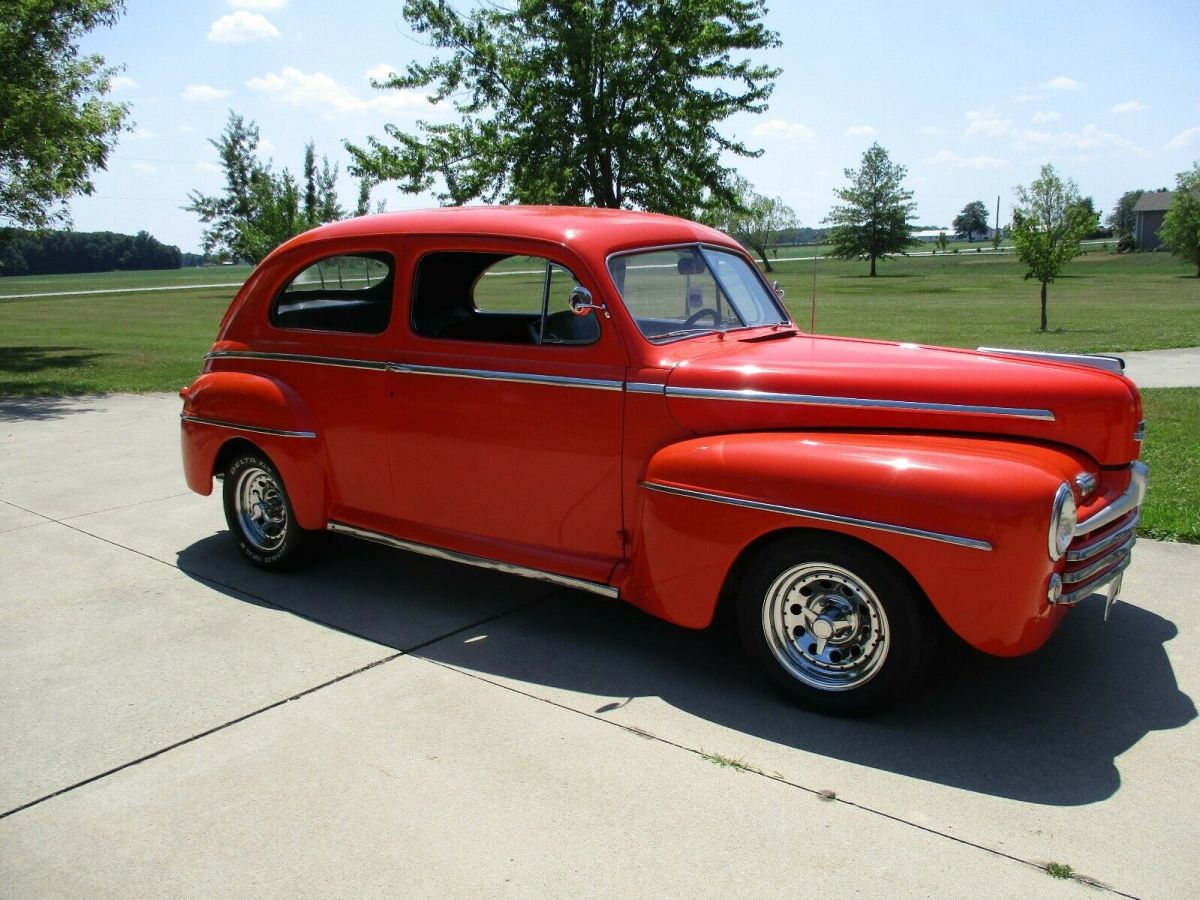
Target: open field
(1103,302)
(1172,510)
(108,281)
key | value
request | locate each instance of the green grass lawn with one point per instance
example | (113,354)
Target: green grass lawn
(145,341)
(1172,450)
(101,281)
(1102,302)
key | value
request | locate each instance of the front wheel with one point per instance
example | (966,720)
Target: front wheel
(834,624)
(259,513)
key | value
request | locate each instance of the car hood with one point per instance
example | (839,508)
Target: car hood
(772,381)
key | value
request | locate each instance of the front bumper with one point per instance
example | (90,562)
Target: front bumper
(1100,551)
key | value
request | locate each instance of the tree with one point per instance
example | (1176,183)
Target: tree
(260,209)
(752,218)
(610,103)
(973,218)
(874,222)
(1048,225)
(1122,220)
(942,242)
(56,128)
(1180,230)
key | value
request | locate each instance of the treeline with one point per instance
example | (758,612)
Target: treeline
(800,235)
(68,252)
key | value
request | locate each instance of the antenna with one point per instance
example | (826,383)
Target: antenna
(812,320)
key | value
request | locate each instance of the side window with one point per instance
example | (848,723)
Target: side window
(499,299)
(348,293)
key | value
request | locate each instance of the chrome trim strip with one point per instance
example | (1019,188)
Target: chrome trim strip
(375,365)
(1088,589)
(1131,499)
(1099,547)
(637,387)
(1044,415)
(218,423)
(603,590)
(970,543)
(1099,565)
(1107,363)
(595,384)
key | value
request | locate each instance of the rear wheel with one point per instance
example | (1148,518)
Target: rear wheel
(259,513)
(834,624)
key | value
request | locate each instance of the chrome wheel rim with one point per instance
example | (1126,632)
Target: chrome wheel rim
(825,626)
(261,509)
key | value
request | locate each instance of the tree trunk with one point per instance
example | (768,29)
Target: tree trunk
(872,267)
(1043,306)
(762,254)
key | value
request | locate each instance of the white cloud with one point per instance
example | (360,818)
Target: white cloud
(1183,140)
(1041,118)
(1088,141)
(264,146)
(860,131)
(1027,98)
(319,91)
(779,128)
(207,168)
(203,92)
(240,27)
(258,4)
(121,83)
(932,130)
(1128,106)
(142,134)
(187,129)
(1061,83)
(978,163)
(381,72)
(145,168)
(987,123)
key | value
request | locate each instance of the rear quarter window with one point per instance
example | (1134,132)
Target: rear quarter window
(344,293)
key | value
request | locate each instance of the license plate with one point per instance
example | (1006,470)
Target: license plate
(1114,589)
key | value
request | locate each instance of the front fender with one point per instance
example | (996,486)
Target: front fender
(967,518)
(219,407)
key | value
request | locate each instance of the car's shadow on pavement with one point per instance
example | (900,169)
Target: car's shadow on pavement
(1045,728)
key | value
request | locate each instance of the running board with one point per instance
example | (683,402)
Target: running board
(579,584)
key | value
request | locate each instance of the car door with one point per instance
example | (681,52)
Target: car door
(506,411)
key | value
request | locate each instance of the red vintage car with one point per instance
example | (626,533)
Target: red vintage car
(619,402)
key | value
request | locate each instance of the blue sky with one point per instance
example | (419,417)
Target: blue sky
(971,98)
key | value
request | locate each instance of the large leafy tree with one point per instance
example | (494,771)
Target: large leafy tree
(1049,223)
(873,219)
(973,218)
(260,208)
(1180,230)
(754,219)
(1122,220)
(56,128)
(612,103)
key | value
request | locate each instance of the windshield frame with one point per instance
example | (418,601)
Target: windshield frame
(703,248)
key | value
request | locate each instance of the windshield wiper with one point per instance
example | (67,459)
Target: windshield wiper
(684,331)
(759,338)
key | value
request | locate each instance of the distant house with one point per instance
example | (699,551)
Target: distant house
(1148,218)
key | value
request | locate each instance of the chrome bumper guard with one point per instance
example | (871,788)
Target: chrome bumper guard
(1101,549)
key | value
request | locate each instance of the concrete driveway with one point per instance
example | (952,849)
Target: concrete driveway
(176,723)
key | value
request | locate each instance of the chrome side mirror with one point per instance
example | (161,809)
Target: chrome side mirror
(777,289)
(581,302)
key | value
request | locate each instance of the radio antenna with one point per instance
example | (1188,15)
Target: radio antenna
(812,319)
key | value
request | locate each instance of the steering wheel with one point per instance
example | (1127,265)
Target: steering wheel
(700,314)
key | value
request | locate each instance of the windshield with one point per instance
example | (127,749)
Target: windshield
(680,291)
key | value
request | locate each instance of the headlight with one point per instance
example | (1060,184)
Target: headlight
(1062,521)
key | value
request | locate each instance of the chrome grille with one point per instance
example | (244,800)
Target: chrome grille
(1094,559)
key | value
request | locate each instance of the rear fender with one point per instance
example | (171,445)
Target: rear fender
(222,407)
(967,518)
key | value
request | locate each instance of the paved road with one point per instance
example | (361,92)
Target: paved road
(1164,368)
(177,723)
